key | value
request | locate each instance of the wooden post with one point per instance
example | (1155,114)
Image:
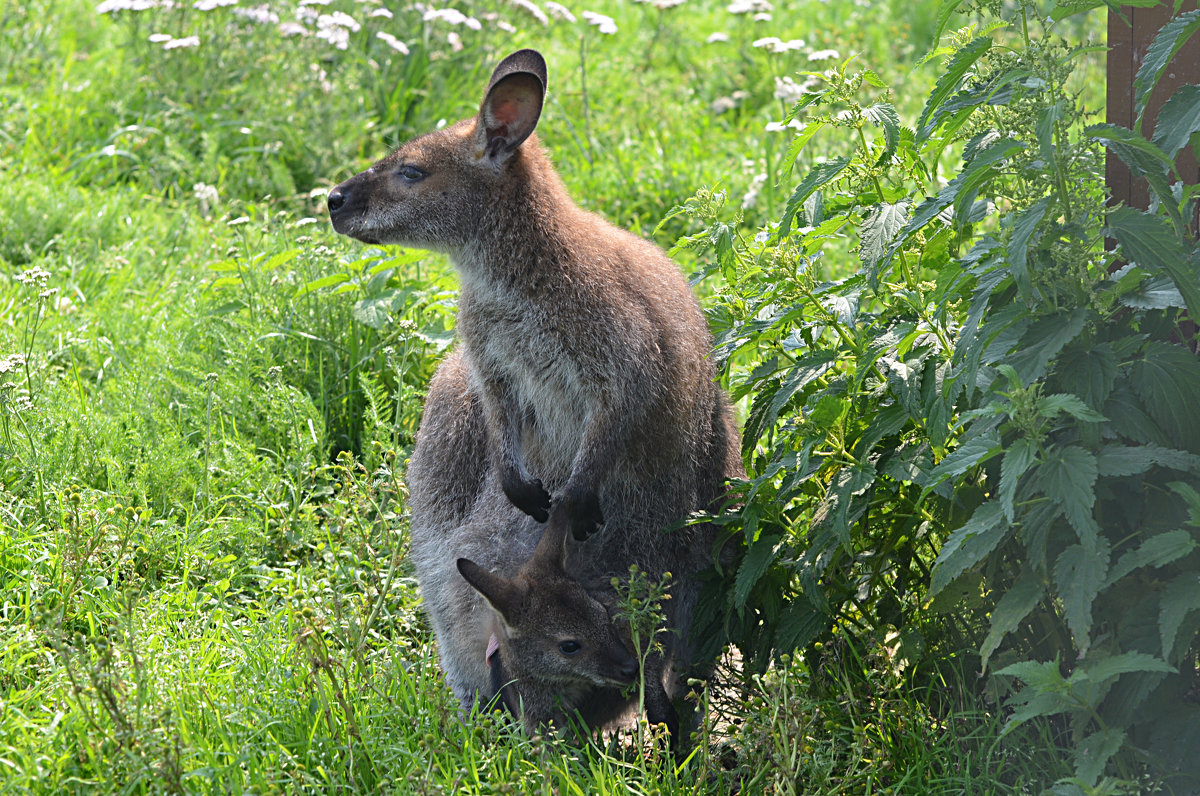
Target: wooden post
(1130,33)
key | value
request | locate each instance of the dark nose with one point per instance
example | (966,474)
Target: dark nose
(336,199)
(629,670)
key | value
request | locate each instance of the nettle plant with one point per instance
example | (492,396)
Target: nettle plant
(981,444)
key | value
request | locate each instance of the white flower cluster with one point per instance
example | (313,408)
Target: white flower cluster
(452,16)
(777,45)
(606,25)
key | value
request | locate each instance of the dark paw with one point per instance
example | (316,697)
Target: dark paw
(583,514)
(529,496)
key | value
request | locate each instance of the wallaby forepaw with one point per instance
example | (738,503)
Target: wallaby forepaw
(529,496)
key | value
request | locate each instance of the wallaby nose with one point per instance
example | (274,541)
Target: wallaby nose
(336,199)
(629,671)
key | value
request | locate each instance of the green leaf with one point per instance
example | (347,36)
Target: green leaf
(322,282)
(1043,340)
(803,136)
(1050,406)
(1017,460)
(884,114)
(1108,667)
(1079,573)
(1148,240)
(1170,39)
(970,453)
(1180,598)
(951,79)
(820,174)
(1044,694)
(1016,604)
(945,11)
(759,557)
(1167,379)
(1157,551)
(1089,370)
(1024,224)
(1068,477)
(1125,460)
(1093,753)
(969,545)
(799,625)
(878,229)
(1178,120)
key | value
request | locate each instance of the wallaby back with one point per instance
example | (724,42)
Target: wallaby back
(582,372)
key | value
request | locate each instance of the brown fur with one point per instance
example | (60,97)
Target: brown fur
(582,372)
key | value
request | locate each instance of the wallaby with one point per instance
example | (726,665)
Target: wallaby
(582,372)
(511,618)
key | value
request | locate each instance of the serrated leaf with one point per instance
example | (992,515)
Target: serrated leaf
(1107,667)
(1169,40)
(1178,120)
(759,557)
(945,11)
(1043,340)
(1158,293)
(1050,406)
(1180,598)
(1016,604)
(951,79)
(1167,379)
(800,623)
(1090,370)
(969,545)
(1017,460)
(1093,753)
(803,136)
(884,115)
(1157,551)
(970,453)
(878,229)
(1148,240)
(821,174)
(1125,460)
(1144,158)
(1079,573)
(1024,224)
(1068,477)
(322,282)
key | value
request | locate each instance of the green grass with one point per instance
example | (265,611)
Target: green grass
(204,419)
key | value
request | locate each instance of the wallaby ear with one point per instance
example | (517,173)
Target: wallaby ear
(503,594)
(512,103)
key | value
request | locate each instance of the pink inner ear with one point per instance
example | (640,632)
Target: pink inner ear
(506,111)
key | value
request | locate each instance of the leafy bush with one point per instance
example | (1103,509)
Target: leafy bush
(981,439)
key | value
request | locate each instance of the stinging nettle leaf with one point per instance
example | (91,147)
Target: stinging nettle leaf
(1180,598)
(1079,573)
(1093,753)
(820,174)
(1068,476)
(1178,120)
(1024,224)
(1170,39)
(1017,460)
(878,229)
(969,545)
(1016,604)
(1157,551)
(951,79)
(884,115)
(1148,240)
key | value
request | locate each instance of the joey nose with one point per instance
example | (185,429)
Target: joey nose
(337,198)
(629,670)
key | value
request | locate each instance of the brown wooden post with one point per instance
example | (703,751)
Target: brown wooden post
(1130,33)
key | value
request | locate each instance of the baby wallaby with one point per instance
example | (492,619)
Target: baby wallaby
(585,346)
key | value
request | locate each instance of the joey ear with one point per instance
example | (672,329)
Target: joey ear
(504,595)
(512,103)
(551,550)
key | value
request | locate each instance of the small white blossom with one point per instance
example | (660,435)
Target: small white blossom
(452,16)
(507,27)
(111,6)
(334,34)
(237,222)
(823,55)
(392,42)
(605,25)
(159,38)
(663,5)
(532,9)
(455,42)
(748,6)
(751,196)
(207,196)
(187,41)
(262,15)
(788,90)
(768,43)
(209,5)
(713,38)
(292,29)
(763,17)
(762,237)
(560,11)
(381,12)
(341,20)
(722,104)
(779,127)
(314,3)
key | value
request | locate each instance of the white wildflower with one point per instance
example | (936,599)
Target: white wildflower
(292,29)
(532,9)
(306,221)
(340,19)
(381,12)
(663,5)
(111,6)
(334,34)
(779,127)
(762,237)
(823,55)
(455,42)
(751,196)
(713,38)
(605,25)
(763,17)
(790,44)
(35,274)
(722,104)
(452,16)
(507,27)
(393,42)
(306,14)
(209,5)
(187,41)
(748,6)
(788,90)
(108,151)
(560,11)
(237,222)
(769,43)
(207,196)
(262,15)
(159,38)
(12,362)
(304,3)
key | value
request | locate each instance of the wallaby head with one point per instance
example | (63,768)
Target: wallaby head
(431,192)
(551,631)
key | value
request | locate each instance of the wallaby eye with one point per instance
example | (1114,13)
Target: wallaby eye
(569,647)
(411,174)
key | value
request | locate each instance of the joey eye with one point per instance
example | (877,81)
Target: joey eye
(411,174)
(569,647)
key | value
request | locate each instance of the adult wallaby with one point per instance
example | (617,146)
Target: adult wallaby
(582,369)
